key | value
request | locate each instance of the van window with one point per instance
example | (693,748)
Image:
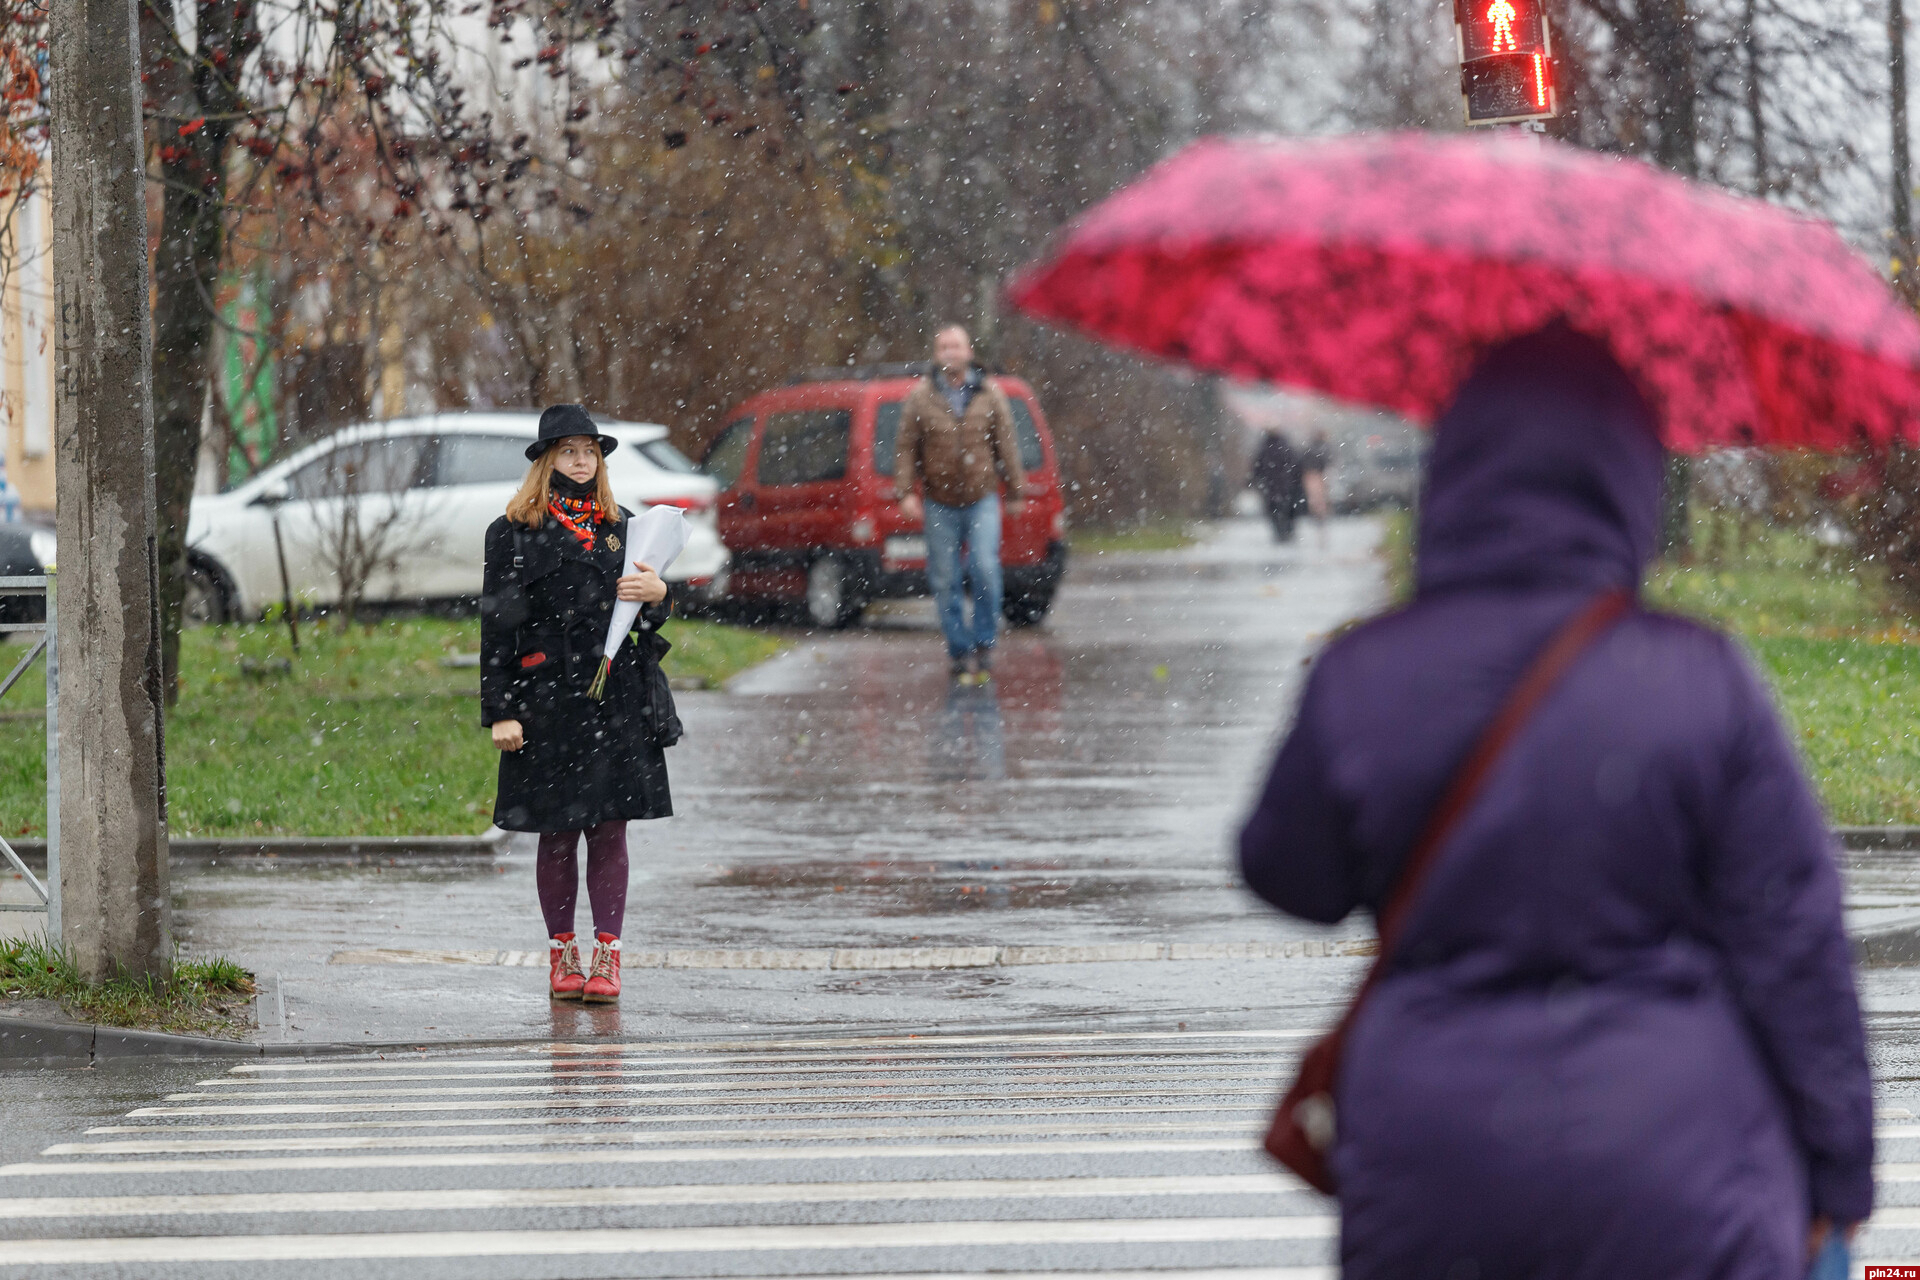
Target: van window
(482,460)
(1031,455)
(805,446)
(886,436)
(886,432)
(728,452)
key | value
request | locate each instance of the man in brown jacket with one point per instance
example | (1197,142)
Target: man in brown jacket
(957,442)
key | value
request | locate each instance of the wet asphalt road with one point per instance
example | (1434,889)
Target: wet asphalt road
(1033,1117)
(846,795)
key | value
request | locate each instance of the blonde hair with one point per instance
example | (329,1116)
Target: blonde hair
(529,505)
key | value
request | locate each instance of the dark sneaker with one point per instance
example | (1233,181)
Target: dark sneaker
(960,670)
(982,665)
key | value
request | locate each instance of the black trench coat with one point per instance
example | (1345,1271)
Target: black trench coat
(585,762)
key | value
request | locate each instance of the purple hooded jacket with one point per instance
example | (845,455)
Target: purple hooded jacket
(1620,1037)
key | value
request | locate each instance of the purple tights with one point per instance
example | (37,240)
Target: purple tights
(557,875)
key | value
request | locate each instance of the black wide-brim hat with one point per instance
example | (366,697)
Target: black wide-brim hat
(562,420)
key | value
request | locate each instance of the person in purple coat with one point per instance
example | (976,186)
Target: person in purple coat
(1620,1037)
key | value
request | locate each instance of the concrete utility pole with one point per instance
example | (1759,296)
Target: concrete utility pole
(113,830)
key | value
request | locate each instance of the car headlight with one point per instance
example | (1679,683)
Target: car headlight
(42,543)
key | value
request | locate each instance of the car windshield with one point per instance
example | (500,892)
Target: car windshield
(728,452)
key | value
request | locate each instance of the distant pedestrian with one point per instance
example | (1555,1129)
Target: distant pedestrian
(572,765)
(1619,1034)
(957,442)
(1276,478)
(1315,459)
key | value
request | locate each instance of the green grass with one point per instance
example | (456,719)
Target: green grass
(1159,535)
(199,997)
(1396,548)
(1841,653)
(364,733)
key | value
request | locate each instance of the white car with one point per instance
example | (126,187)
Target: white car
(404,506)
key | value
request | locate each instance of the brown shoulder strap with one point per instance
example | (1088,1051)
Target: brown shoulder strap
(1539,679)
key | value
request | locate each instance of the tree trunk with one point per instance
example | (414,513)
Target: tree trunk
(1905,277)
(1756,115)
(193,158)
(1669,49)
(185,273)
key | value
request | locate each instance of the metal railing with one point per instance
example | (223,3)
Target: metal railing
(44,646)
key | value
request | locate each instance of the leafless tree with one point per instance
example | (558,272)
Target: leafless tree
(366,513)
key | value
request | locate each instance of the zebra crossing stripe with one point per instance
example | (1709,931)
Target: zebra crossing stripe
(926,1052)
(576,1102)
(675,1086)
(653,1240)
(626,1197)
(1177,1042)
(677,1155)
(788,1113)
(1215,1273)
(385,1142)
(1264,1062)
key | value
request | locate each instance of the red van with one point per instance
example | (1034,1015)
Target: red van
(806,473)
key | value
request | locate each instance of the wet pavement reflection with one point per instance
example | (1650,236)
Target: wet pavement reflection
(849,794)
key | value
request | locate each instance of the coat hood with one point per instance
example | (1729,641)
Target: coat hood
(1546,471)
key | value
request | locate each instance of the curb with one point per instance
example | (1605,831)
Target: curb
(1891,839)
(1879,839)
(27,1043)
(488,845)
(878,958)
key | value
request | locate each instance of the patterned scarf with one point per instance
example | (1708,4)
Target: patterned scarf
(580,516)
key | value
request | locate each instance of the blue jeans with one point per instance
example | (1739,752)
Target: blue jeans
(965,540)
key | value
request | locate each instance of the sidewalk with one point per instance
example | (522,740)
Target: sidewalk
(845,800)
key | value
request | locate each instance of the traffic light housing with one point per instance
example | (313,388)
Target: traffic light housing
(1506,61)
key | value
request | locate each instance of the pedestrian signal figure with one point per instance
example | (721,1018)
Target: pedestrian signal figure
(1614,1029)
(572,765)
(1501,14)
(957,443)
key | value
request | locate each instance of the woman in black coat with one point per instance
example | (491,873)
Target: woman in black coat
(572,764)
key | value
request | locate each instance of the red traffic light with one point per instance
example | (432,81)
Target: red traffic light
(1492,27)
(1506,61)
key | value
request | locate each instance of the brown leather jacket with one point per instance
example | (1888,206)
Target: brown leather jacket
(957,461)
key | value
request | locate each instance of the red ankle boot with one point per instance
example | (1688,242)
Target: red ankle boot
(566,977)
(603,984)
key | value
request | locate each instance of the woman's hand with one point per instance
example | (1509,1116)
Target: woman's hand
(643,586)
(507,735)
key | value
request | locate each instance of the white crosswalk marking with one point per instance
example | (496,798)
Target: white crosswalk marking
(1033,1154)
(1028,1157)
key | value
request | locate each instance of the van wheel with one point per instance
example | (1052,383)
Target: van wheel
(832,601)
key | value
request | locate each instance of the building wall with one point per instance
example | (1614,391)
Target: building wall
(27,358)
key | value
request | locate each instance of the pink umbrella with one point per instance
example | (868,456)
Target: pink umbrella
(1377,268)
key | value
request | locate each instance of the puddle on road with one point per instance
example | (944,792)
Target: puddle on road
(890,888)
(951,984)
